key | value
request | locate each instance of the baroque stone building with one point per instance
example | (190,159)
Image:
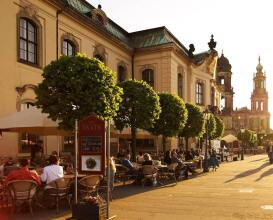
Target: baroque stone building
(258,117)
(35,32)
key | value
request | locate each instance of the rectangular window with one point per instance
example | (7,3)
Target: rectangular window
(199,93)
(27,41)
(180,85)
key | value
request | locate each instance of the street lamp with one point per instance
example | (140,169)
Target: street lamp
(243,140)
(206,114)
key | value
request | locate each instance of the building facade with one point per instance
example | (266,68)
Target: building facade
(35,32)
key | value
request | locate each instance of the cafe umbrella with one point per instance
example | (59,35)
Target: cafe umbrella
(32,121)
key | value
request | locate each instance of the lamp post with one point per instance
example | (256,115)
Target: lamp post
(206,117)
(243,141)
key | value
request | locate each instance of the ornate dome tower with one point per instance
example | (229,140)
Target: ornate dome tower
(259,101)
(223,78)
(259,97)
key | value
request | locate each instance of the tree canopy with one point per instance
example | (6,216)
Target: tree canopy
(211,126)
(195,123)
(245,135)
(220,128)
(139,108)
(75,87)
(172,118)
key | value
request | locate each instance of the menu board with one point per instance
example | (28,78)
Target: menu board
(91,144)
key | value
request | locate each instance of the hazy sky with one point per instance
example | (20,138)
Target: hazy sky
(242,28)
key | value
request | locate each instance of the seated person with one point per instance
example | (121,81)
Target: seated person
(213,162)
(140,157)
(54,153)
(53,171)
(188,156)
(127,163)
(147,160)
(167,157)
(24,173)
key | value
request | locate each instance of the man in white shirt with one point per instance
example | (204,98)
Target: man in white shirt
(53,171)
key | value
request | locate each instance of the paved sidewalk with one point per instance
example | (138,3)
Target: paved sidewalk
(237,190)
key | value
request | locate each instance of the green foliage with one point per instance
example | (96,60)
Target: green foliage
(246,135)
(211,127)
(173,116)
(75,87)
(220,127)
(140,106)
(195,123)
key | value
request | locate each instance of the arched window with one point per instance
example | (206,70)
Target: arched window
(257,105)
(121,73)
(262,105)
(180,85)
(69,48)
(199,93)
(27,140)
(28,41)
(99,57)
(148,76)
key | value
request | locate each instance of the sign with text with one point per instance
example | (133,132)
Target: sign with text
(92,145)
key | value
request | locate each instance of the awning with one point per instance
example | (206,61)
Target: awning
(31,121)
(229,138)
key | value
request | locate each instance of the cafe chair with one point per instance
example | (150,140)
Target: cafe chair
(168,173)
(22,191)
(149,174)
(59,189)
(89,185)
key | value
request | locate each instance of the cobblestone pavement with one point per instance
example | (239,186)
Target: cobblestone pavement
(237,190)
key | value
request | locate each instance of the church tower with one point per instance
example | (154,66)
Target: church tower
(260,118)
(259,97)
(223,78)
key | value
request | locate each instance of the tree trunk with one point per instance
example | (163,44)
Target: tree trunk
(187,143)
(164,143)
(133,146)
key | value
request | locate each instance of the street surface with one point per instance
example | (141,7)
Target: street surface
(237,190)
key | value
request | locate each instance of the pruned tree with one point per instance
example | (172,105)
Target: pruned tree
(172,118)
(194,125)
(220,128)
(75,87)
(139,108)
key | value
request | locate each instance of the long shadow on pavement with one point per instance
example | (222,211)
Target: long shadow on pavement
(256,160)
(248,172)
(264,174)
(124,191)
(131,190)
